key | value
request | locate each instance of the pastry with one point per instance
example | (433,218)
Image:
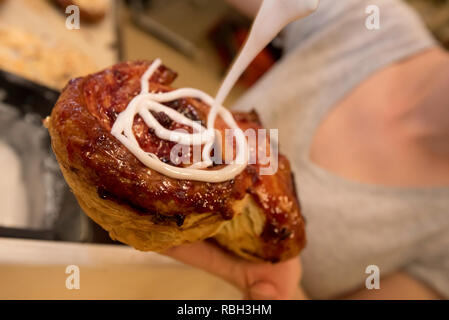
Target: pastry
(255,216)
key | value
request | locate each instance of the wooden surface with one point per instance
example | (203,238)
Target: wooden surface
(36,270)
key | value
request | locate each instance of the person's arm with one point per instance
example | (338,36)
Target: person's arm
(261,281)
(247,7)
(398,286)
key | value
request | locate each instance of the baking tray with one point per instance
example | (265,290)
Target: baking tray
(53,212)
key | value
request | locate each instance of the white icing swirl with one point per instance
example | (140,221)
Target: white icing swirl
(145,102)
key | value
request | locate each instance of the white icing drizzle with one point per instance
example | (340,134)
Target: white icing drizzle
(145,102)
(273,16)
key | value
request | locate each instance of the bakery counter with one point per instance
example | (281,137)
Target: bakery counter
(33,269)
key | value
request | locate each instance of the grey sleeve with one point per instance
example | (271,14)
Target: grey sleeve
(432,268)
(344,21)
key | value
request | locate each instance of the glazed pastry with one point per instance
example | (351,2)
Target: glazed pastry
(255,216)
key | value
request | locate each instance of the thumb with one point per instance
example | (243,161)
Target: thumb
(263,291)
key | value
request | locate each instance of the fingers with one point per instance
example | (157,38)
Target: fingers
(273,281)
(263,291)
(258,281)
(210,258)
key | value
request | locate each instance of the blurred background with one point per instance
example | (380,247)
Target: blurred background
(38,56)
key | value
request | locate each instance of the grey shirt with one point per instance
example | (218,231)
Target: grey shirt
(351,225)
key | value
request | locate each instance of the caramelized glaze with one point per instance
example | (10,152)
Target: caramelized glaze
(83,117)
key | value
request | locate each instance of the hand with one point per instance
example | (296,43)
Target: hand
(258,281)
